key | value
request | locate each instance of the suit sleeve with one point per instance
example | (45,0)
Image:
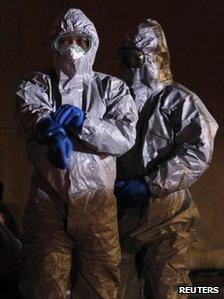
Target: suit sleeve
(32,104)
(194,130)
(115,133)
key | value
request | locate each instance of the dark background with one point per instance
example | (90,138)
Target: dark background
(195,35)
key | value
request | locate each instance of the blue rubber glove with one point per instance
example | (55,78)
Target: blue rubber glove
(69,116)
(59,145)
(131,193)
(46,129)
(59,151)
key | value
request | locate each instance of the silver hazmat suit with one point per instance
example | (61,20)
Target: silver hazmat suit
(74,208)
(174,146)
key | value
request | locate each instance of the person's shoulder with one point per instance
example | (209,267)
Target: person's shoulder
(109,78)
(177,94)
(180,90)
(110,82)
(37,78)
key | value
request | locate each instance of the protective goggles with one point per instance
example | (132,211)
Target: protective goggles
(131,58)
(73,40)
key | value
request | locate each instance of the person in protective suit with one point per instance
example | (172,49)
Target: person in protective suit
(175,132)
(75,123)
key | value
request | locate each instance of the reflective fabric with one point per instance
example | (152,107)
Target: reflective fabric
(155,239)
(175,131)
(75,205)
(174,145)
(57,234)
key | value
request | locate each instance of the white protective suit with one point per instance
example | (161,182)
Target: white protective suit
(74,210)
(174,145)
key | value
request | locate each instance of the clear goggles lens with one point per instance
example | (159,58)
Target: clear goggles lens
(131,58)
(72,40)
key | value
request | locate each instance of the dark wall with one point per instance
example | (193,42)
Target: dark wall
(194,31)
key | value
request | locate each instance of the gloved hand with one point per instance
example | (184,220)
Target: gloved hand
(59,151)
(69,116)
(46,129)
(59,145)
(131,193)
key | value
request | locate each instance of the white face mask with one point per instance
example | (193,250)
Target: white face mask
(74,52)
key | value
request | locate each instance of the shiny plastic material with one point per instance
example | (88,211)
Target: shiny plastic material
(174,145)
(155,239)
(74,210)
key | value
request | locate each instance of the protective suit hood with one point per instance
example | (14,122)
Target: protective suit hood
(155,72)
(67,68)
